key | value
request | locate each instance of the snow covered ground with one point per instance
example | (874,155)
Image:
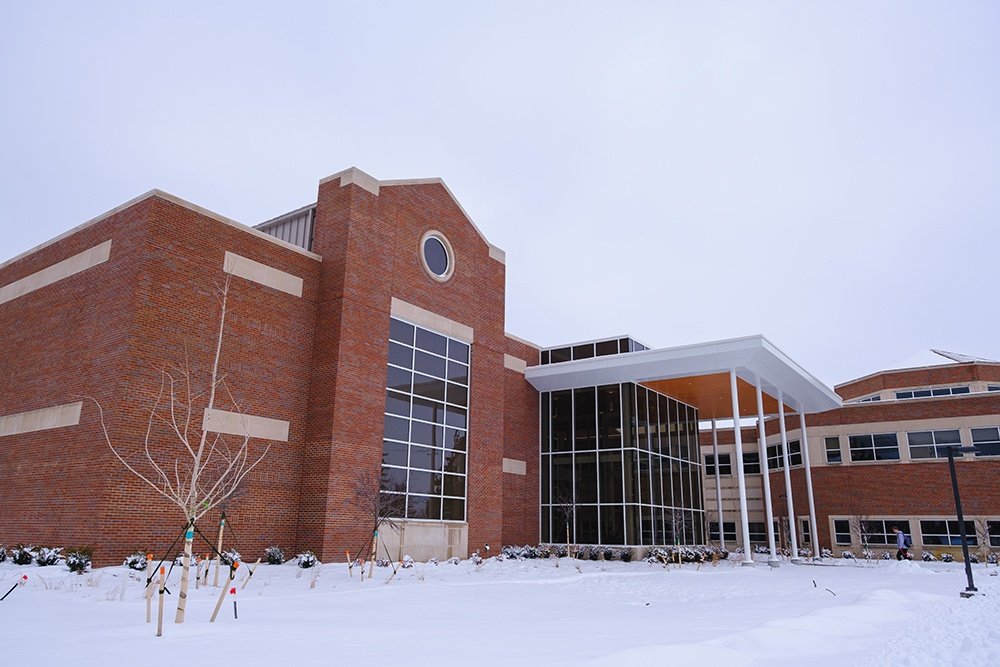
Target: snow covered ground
(520,612)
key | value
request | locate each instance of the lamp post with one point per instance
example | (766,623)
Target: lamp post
(971,588)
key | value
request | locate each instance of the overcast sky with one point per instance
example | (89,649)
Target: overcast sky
(827,174)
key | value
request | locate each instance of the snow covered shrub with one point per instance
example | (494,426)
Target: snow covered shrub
(886,555)
(407,562)
(992,559)
(381,562)
(543,551)
(454,560)
(804,552)
(48,556)
(927,557)
(434,561)
(947,558)
(476,558)
(825,553)
(306,559)
(867,554)
(136,561)
(611,554)
(626,555)
(722,553)
(596,553)
(657,555)
(973,558)
(274,555)
(847,554)
(230,556)
(761,549)
(78,560)
(559,550)
(3,553)
(583,553)
(22,555)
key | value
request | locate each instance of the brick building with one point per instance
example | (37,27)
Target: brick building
(879,460)
(364,336)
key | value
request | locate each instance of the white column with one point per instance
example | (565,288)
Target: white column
(809,486)
(768,510)
(718,483)
(740,479)
(792,536)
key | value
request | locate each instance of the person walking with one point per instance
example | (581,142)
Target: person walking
(902,544)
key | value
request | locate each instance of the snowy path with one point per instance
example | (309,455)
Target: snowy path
(580,613)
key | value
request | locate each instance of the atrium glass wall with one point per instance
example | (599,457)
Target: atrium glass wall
(623,462)
(426,424)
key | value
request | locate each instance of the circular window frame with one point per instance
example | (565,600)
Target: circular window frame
(449,252)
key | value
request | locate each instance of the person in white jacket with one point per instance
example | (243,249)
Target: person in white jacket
(901,544)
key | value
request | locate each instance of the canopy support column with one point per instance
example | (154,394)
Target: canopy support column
(740,478)
(793,539)
(718,484)
(809,486)
(768,510)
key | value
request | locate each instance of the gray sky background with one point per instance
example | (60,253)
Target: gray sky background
(827,174)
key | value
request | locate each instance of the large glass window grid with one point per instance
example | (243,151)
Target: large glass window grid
(876,447)
(932,444)
(426,424)
(947,533)
(622,463)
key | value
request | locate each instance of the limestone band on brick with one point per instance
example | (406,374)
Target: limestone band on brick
(234,423)
(513,363)
(515,467)
(433,321)
(50,274)
(43,419)
(263,274)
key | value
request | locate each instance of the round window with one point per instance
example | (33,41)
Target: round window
(437,256)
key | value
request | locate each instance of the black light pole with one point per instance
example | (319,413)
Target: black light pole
(971,589)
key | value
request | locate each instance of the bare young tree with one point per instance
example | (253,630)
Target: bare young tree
(193,468)
(865,529)
(379,508)
(566,509)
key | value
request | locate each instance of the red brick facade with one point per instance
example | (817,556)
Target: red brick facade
(317,361)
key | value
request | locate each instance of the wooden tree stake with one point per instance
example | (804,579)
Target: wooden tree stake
(253,568)
(222,594)
(149,589)
(159,612)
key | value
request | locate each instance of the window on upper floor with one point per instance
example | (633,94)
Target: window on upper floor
(932,444)
(725,465)
(751,463)
(932,391)
(832,443)
(987,441)
(875,447)
(775,455)
(869,399)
